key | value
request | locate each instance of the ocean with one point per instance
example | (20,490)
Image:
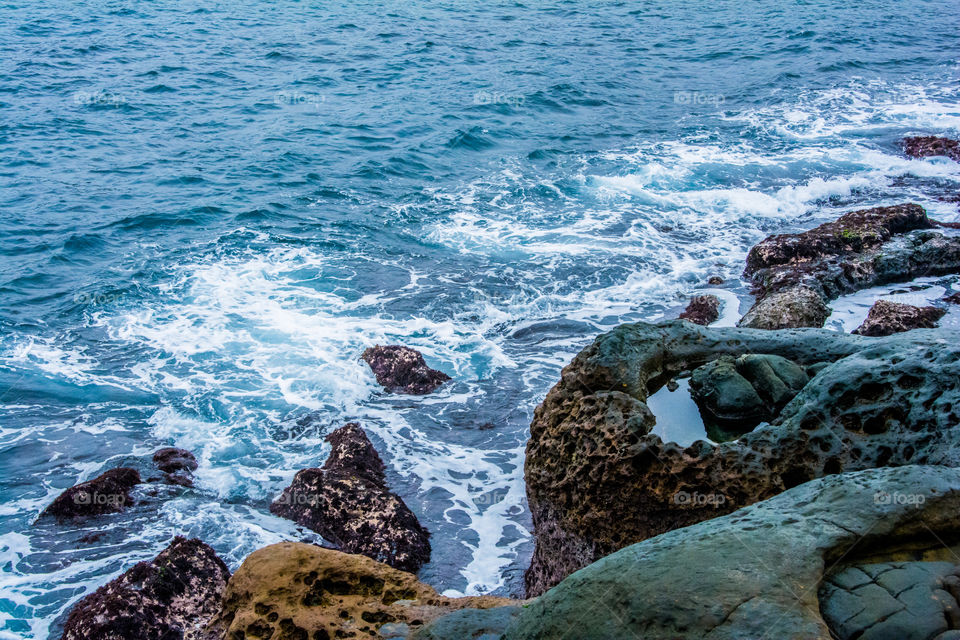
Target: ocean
(209,209)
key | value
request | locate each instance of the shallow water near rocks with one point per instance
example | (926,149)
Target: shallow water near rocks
(211,209)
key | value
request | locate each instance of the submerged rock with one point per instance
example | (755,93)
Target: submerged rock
(754,573)
(795,275)
(886,318)
(172,597)
(702,310)
(598,480)
(297,590)
(107,493)
(176,464)
(403,370)
(348,503)
(927,146)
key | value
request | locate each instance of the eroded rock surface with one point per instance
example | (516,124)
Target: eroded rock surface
(794,276)
(755,573)
(403,370)
(107,493)
(928,146)
(177,465)
(347,501)
(297,590)
(886,318)
(702,310)
(172,597)
(598,480)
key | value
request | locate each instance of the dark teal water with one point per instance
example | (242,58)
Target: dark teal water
(210,209)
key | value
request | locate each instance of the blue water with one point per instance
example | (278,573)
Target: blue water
(211,208)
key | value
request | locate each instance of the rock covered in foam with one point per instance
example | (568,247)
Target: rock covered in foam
(171,597)
(886,318)
(347,501)
(403,370)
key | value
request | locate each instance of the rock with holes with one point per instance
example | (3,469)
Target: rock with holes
(755,573)
(598,480)
(348,503)
(172,597)
(702,310)
(886,318)
(403,370)
(297,590)
(931,146)
(795,275)
(107,493)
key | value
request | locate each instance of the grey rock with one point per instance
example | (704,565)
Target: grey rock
(470,624)
(753,573)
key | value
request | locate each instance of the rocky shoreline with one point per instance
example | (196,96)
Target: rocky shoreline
(825,504)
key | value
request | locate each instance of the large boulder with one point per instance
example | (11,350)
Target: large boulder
(886,318)
(599,480)
(296,590)
(795,275)
(403,370)
(107,493)
(755,573)
(928,146)
(702,310)
(172,597)
(347,501)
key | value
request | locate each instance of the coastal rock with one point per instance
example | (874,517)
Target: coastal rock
(297,590)
(794,276)
(348,503)
(702,310)
(953,298)
(598,480)
(403,370)
(755,573)
(714,280)
(739,393)
(176,464)
(475,624)
(172,597)
(107,493)
(927,146)
(886,318)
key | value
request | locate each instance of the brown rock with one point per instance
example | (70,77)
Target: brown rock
(886,318)
(715,280)
(176,464)
(348,503)
(297,590)
(927,146)
(107,493)
(403,370)
(171,597)
(702,310)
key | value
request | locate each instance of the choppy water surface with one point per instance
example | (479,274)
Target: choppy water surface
(210,209)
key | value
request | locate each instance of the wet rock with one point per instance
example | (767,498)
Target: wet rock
(794,276)
(928,146)
(172,597)
(739,393)
(297,590)
(348,503)
(715,280)
(702,310)
(403,370)
(598,480)
(107,493)
(754,573)
(953,298)
(886,318)
(176,464)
